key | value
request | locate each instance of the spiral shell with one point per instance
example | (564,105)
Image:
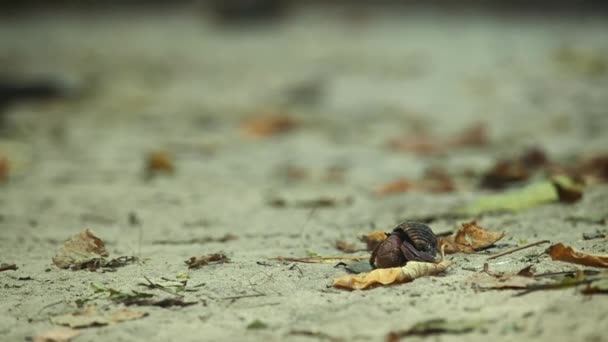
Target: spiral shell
(418,234)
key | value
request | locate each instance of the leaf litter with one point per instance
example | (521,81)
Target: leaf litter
(473,136)
(389,276)
(87,251)
(469,239)
(133,297)
(564,253)
(205,260)
(434,181)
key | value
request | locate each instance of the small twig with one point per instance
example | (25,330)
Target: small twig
(318,260)
(244,296)
(12,267)
(518,249)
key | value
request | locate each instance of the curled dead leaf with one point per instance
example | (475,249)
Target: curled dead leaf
(389,276)
(469,238)
(80,249)
(568,254)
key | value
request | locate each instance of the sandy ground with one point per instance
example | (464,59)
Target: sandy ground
(176,82)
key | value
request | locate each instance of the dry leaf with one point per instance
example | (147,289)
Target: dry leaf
(473,136)
(394,187)
(388,276)
(320,202)
(568,254)
(216,258)
(268,125)
(79,250)
(594,170)
(159,162)
(506,172)
(90,317)
(346,247)
(434,181)
(470,238)
(58,334)
(373,239)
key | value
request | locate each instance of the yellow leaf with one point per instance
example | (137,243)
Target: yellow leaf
(387,276)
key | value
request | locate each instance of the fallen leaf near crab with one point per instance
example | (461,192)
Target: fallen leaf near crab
(389,276)
(470,238)
(568,254)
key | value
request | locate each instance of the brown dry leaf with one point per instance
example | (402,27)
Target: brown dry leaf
(373,239)
(159,162)
(434,181)
(473,136)
(418,143)
(594,170)
(215,258)
(346,247)
(470,238)
(80,249)
(568,254)
(58,334)
(268,125)
(508,171)
(90,317)
(395,187)
(389,276)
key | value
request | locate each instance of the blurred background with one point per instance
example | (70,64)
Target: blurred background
(100,84)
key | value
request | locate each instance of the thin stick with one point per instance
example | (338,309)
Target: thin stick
(518,249)
(12,267)
(318,260)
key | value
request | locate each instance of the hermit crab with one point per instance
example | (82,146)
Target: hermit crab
(409,241)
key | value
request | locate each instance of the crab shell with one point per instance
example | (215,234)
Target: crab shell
(410,241)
